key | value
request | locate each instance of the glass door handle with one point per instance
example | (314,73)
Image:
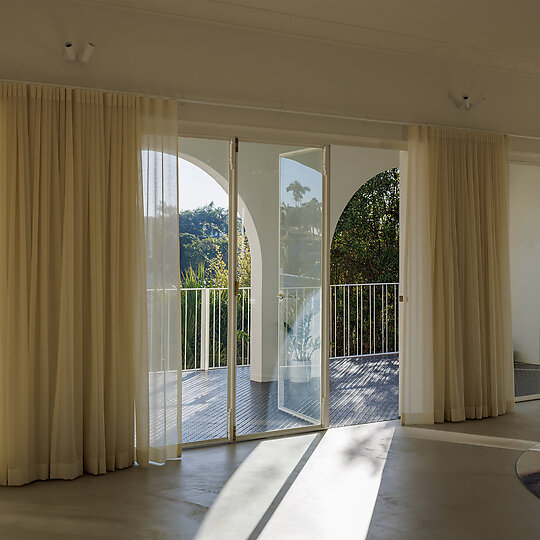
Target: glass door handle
(281,296)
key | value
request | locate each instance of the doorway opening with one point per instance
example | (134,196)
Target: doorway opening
(274,382)
(364,305)
(203,250)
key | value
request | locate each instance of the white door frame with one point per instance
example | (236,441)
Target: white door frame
(232,299)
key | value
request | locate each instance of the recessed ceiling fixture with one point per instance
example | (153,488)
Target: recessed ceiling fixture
(465,103)
(71,56)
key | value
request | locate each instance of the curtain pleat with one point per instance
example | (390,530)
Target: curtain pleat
(468,343)
(73,353)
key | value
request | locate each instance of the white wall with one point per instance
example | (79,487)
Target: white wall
(525,261)
(350,167)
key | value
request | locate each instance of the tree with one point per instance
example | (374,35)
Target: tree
(203,237)
(298,191)
(365,249)
(204,248)
(218,265)
(365,246)
(204,262)
(300,239)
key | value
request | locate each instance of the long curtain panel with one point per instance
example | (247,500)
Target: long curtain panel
(415,317)
(73,294)
(457,337)
(160,182)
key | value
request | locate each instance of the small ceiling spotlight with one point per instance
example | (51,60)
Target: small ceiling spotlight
(69,52)
(466,104)
(87,53)
(71,56)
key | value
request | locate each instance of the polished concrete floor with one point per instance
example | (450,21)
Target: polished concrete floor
(377,481)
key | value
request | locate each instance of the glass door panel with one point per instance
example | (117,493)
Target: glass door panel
(278,365)
(300,284)
(203,249)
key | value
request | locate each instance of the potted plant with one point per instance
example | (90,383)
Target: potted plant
(301,346)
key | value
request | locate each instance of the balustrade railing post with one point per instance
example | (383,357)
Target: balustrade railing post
(205,329)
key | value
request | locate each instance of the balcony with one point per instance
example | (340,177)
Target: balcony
(364,363)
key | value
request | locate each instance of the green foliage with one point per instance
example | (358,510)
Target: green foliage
(204,237)
(365,249)
(218,265)
(192,279)
(208,221)
(365,246)
(300,235)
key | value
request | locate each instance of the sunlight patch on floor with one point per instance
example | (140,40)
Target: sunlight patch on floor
(322,485)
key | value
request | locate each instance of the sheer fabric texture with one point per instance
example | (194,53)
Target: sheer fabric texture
(456,334)
(160,181)
(73,322)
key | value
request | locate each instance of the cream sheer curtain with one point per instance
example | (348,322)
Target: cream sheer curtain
(456,336)
(160,180)
(73,322)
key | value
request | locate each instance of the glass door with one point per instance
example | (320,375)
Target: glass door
(300,283)
(280,253)
(253,261)
(203,235)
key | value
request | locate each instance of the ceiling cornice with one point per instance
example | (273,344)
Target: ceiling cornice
(230,13)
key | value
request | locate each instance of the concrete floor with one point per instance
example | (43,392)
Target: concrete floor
(380,481)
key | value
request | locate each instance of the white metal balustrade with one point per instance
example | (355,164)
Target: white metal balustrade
(364,320)
(202,341)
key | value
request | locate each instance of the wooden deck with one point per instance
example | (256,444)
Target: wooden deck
(362,389)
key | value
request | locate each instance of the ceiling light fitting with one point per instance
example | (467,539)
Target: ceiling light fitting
(466,104)
(71,56)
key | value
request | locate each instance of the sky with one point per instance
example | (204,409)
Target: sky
(197,188)
(293,171)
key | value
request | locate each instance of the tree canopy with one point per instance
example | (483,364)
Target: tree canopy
(204,238)
(365,246)
(298,191)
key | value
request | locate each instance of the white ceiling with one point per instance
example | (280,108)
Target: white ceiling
(497,26)
(394,60)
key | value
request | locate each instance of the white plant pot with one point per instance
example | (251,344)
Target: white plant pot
(299,373)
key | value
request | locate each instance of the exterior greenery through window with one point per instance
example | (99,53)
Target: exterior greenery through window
(203,240)
(365,249)
(365,246)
